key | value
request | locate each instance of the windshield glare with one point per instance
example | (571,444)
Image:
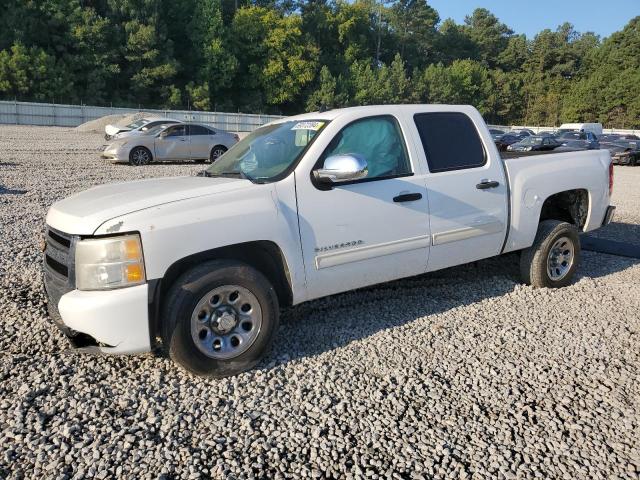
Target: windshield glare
(268,151)
(157,129)
(138,123)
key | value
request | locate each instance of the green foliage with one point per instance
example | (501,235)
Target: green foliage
(286,56)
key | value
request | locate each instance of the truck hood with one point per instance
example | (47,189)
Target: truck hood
(84,212)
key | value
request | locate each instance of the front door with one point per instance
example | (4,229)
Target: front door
(173,144)
(371,230)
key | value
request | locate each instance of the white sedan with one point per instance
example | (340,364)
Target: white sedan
(184,141)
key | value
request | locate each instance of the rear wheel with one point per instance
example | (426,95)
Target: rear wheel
(554,256)
(217,152)
(220,318)
(140,156)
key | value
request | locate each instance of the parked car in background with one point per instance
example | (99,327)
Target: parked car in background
(535,143)
(595,128)
(616,137)
(111,130)
(579,140)
(146,127)
(522,132)
(184,141)
(495,133)
(576,145)
(505,140)
(623,152)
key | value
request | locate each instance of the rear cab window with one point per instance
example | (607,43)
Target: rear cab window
(450,141)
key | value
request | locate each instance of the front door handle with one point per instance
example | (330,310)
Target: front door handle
(484,184)
(407,197)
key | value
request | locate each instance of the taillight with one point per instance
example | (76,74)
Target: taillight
(237,137)
(610,178)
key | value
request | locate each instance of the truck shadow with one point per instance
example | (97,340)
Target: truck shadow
(325,324)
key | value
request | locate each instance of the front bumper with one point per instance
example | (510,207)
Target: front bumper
(108,321)
(117,319)
(119,154)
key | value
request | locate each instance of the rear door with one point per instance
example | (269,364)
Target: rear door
(173,144)
(466,187)
(201,139)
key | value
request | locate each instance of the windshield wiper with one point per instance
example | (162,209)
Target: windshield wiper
(207,173)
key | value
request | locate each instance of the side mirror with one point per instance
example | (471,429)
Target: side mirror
(342,168)
(162,134)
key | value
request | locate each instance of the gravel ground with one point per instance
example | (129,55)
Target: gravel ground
(464,373)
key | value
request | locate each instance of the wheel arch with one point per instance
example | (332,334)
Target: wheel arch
(571,206)
(263,255)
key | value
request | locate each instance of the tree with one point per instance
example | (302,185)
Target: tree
(489,35)
(278,60)
(326,94)
(30,73)
(462,82)
(414,24)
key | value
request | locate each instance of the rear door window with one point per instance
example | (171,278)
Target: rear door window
(198,130)
(450,141)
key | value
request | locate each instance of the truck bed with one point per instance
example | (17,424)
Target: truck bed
(506,155)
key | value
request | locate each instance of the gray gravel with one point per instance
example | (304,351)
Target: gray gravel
(464,373)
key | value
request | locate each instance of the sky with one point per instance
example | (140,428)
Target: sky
(602,17)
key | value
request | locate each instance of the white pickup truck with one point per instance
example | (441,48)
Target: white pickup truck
(305,207)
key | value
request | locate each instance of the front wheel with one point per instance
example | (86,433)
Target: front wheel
(554,256)
(220,318)
(139,156)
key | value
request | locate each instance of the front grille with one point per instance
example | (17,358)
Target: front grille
(59,239)
(56,266)
(59,258)
(58,255)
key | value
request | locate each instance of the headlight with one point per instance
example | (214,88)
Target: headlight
(105,263)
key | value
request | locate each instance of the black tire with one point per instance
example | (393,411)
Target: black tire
(534,268)
(217,152)
(140,156)
(185,295)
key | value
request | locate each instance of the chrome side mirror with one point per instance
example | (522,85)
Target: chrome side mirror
(342,168)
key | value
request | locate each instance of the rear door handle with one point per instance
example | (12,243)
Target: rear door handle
(483,185)
(407,197)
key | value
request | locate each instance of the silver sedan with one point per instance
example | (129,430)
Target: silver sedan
(185,141)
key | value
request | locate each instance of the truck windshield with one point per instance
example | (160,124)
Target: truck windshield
(266,153)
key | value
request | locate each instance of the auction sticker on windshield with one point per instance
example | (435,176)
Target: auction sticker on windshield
(308,126)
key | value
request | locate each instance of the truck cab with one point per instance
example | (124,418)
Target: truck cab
(302,208)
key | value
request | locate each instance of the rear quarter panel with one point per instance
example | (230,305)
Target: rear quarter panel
(533,179)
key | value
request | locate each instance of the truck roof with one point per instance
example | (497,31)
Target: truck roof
(373,109)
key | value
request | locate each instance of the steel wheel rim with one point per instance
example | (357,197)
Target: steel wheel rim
(217,153)
(226,322)
(140,156)
(560,259)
